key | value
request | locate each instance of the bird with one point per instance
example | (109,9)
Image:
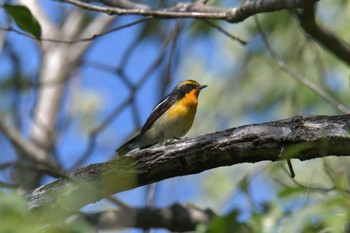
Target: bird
(171,118)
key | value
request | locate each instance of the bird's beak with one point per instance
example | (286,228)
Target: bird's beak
(202,87)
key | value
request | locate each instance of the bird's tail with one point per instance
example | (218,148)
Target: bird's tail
(128,146)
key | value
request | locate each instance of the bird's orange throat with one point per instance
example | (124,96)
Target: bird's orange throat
(191,98)
(185,107)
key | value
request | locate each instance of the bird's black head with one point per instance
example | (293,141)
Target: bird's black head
(188,86)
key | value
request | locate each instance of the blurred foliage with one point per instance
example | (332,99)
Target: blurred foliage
(332,214)
(16,218)
(225,224)
(85,107)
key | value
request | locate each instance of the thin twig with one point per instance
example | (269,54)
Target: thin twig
(311,188)
(159,59)
(80,39)
(291,169)
(171,62)
(225,32)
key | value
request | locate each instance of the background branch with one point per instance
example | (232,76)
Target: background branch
(326,38)
(188,215)
(299,137)
(34,152)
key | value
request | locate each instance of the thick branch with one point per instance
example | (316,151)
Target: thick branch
(299,137)
(199,10)
(188,215)
(325,37)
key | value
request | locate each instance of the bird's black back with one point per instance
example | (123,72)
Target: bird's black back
(161,107)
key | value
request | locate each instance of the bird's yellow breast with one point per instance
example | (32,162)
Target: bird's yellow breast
(178,119)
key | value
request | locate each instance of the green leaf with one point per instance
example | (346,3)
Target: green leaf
(24,19)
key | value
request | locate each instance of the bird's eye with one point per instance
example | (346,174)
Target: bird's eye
(188,85)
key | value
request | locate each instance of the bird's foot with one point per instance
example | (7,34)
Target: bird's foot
(170,141)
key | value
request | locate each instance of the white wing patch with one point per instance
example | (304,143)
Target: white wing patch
(160,103)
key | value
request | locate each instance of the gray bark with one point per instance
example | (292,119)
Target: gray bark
(303,138)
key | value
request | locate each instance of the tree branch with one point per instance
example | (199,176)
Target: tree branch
(200,10)
(326,38)
(34,152)
(126,4)
(188,215)
(299,137)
